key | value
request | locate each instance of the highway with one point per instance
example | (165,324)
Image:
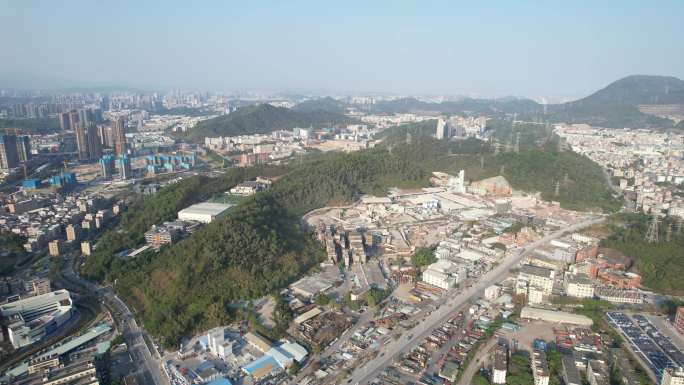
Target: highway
(369,371)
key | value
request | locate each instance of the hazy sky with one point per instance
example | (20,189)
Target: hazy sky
(535,48)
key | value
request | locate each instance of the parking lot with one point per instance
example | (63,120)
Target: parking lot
(647,342)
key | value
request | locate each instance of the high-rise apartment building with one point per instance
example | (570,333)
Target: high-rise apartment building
(88,142)
(107,165)
(23,148)
(119,128)
(124,167)
(64,121)
(673,376)
(94,145)
(9,158)
(73,119)
(82,142)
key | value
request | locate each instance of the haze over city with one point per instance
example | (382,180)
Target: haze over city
(341,193)
(528,48)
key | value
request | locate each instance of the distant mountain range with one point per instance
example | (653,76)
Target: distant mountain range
(638,101)
(620,104)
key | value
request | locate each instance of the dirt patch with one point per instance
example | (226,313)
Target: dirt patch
(529,331)
(265,312)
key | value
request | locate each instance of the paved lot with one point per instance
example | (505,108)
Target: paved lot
(645,340)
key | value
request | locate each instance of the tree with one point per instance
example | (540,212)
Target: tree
(322,299)
(423,256)
(479,379)
(293,369)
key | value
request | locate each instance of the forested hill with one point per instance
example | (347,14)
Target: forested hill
(660,264)
(638,89)
(617,105)
(259,246)
(262,119)
(326,104)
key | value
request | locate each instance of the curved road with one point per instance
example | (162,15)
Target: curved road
(372,368)
(130,331)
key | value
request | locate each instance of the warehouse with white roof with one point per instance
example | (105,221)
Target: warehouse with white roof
(204,212)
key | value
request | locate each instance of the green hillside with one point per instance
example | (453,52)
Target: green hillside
(31,125)
(326,104)
(661,264)
(616,105)
(143,212)
(262,119)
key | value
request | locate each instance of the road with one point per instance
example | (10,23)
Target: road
(476,363)
(372,368)
(130,331)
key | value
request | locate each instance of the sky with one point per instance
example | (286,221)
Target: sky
(480,48)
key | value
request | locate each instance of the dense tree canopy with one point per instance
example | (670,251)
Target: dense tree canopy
(263,119)
(660,264)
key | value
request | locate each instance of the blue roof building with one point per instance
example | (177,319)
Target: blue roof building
(31,183)
(261,367)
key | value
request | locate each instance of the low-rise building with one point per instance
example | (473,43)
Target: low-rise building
(86,248)
(537,276)
(41,286)
(218,344)
(597,373)
(444,274)
(204,212)
(673,376)
(679,320)
(55,248)
(540,367)
(571,375)
(579,287)
(492,292)
(555,316)
(31,319)
(500,366)
(615,295)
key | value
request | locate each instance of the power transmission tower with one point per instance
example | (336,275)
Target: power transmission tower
(517,143)
(502,170)
(652,234)
(557,192)
(481,162)
(496,147)
(408,137)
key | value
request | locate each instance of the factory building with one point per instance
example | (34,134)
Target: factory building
(204,212)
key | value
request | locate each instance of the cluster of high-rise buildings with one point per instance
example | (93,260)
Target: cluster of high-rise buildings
(92,135)
(14,150)
(460,127)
